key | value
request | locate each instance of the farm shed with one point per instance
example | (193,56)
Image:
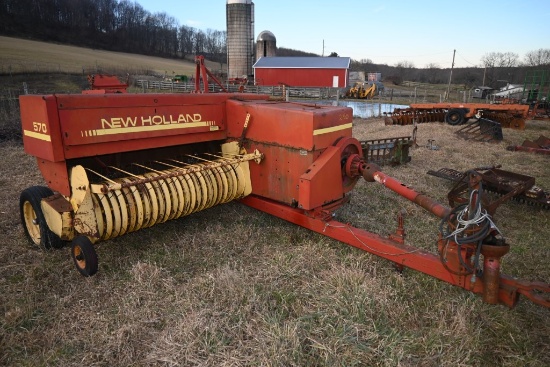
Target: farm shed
(302,71)
(481,92)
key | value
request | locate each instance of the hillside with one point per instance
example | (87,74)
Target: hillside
(24,56)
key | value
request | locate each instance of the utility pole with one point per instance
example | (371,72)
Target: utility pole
(450,76)
(323,53)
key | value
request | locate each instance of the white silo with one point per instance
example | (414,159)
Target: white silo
(240,38)
(266,45)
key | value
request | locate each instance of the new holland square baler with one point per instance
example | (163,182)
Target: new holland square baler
(118,163)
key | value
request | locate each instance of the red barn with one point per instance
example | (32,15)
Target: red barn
(302,71)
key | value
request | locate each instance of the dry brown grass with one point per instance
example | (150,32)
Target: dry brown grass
(22,56)
(232,286)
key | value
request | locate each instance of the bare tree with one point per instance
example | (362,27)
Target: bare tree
(404,69)
(186,36)
(431,74)
(540,57)
(500,59)
(498,66)
(199,42)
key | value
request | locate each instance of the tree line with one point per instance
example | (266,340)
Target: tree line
(495,70)
(118,25)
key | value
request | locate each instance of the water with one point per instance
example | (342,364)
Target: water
(363,109)
(367,109)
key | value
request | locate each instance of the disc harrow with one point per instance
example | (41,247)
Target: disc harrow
(508,119)
(407,116)
(508,115)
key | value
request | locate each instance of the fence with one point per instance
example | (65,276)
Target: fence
(10,127)
(323,96)
(11,67)
(275,91)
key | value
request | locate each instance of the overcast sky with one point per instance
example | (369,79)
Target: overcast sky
(386,32)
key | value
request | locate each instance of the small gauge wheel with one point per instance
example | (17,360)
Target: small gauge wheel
(84,256)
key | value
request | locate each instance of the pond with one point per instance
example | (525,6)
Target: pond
(362,109)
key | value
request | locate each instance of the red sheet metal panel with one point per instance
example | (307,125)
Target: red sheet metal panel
(40,127)
(291,136)
(296,125)
(132,122)
(300,77)
(89,125)
(56,175)
(321,184)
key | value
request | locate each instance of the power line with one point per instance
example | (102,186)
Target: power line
(471,63)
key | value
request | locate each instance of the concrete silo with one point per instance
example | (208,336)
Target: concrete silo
(240,38)
(266,45)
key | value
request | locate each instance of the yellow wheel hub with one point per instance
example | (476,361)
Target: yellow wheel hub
(31,223)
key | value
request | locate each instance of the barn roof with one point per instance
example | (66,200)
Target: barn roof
(299,62)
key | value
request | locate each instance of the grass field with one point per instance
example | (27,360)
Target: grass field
(231,286)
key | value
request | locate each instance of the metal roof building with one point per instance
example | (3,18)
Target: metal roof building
(302,71)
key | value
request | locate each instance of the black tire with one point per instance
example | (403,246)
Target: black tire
(33,221)
(454,116)
(84,256)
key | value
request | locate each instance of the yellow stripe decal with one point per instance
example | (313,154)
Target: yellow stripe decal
(327,130)
(36,135)
(138,129)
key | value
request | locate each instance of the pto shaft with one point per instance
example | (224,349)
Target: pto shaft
(371,173)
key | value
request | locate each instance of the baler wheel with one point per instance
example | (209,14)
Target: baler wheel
(454,116)
(34,224)
(84,256)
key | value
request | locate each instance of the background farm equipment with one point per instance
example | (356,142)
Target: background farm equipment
(127,162)
(508,115)
(509,112)
(362,90)
(482,129)
(392,151)
(180,78)
(102,83)
(505,184)
(540,146)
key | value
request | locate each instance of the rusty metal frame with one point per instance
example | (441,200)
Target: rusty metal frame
(393,151)
(500,288)
(507,184)
(483,130)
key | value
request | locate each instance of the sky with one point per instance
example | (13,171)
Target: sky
(388,32)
